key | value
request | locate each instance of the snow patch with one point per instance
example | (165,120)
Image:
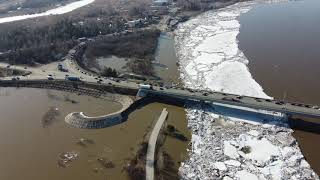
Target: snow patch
(245,175)
(259,150)
(60,10)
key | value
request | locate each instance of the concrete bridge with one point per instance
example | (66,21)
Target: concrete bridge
(164,94)
(236,101)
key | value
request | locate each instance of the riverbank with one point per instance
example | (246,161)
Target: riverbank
(230,147)
(55,11)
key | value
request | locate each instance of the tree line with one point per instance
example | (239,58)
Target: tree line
(47,43)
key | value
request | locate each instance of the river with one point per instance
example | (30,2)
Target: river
(210,58)
(165,56)
(32,148)
(282,44)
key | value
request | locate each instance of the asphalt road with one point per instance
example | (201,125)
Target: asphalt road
(291,108)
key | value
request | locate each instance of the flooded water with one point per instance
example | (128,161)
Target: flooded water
(282,44)
(165,56)
(114,62)
(32,149)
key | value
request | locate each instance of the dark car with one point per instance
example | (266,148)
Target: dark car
(279,102)
(239,97)
(231,99)
(258,99)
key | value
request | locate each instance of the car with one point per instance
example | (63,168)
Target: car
(239,97)
(205,94)
(17,78)
(13,79)
(279,102)
(110,83)
(231,99)
(308,106)
(258,99)
(50,75)
(50,78)
(161,88)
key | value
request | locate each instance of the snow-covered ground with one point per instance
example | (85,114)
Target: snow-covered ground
(228,143)
(59,10)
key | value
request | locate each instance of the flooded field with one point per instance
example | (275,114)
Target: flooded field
(32,146)
(282,44)
(115,62)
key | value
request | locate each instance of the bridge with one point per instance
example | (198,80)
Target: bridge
(126,87)
(288,108)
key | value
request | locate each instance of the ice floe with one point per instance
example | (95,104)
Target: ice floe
(230,143)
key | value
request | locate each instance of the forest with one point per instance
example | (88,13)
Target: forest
(47,43)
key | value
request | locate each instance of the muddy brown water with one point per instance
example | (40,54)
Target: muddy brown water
(30,151)
(165,55)
(282,44)
(31,148)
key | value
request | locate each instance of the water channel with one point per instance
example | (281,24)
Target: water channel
(33,146)
(282,44)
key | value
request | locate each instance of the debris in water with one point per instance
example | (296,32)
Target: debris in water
(66,158)
(106,162)
(84,142)
(68,99)
(50,116)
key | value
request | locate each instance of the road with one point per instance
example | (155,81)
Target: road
(152,145)
(291,108)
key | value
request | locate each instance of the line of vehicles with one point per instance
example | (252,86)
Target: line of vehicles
(67,77)
(236,98)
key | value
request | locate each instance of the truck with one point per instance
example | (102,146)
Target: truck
(72,78)
(145,86)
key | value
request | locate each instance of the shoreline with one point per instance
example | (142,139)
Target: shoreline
(224,147)
(55,11)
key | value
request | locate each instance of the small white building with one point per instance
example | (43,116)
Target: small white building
(134,23)
(161,2)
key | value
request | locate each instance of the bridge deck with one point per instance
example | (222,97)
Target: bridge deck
(242,101)
(290,108)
